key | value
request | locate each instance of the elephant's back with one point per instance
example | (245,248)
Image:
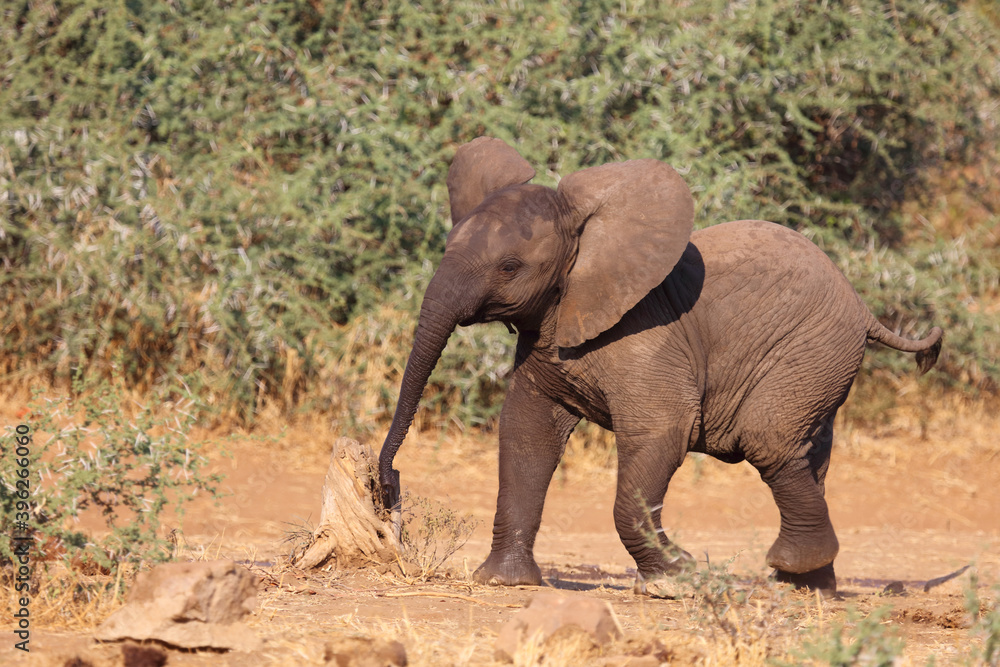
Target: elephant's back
(758,242)
(769,265)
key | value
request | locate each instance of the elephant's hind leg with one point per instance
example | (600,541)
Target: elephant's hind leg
(806,546)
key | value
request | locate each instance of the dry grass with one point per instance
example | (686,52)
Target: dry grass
(64,598)
(959,427)
(299,613)
(297,623)
(70,597)
(963,196)
(432,533)
(655,632)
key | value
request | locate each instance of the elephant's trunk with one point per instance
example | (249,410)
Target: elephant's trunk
(445,304)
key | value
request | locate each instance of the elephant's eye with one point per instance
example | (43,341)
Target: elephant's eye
(510,267)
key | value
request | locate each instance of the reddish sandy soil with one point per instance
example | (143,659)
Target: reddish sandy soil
(906,509)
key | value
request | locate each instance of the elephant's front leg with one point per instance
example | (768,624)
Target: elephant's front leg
(646,462)
(533,434)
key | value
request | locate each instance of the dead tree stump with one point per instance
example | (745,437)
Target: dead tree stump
(351,531)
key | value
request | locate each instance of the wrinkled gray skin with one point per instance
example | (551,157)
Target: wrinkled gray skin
(740,341)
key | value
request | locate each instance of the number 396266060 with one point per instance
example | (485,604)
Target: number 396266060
(22,483)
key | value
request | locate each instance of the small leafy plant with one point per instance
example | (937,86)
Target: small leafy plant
(860,640)
(986,621)
(743,615)
(99,452)
(743,612)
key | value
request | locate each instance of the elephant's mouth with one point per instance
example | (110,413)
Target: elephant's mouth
(494,311)
(483,314)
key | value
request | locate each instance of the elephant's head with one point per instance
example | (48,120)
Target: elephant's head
(575,258)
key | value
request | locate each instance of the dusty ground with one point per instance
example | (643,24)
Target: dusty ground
(906,509)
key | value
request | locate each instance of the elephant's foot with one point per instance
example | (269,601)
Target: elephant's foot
(821,579)
(804,553)
(507,570)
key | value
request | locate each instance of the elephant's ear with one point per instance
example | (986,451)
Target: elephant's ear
(635,219)
(480,167)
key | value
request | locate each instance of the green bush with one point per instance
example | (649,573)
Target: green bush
(233,189)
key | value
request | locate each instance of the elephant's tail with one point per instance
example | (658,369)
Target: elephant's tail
(927,348)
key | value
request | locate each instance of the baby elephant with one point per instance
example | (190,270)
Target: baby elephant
(740,341)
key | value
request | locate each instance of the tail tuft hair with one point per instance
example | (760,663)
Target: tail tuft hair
(927,358)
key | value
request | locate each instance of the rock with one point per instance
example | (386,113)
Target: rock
(550,614)
(364,652)
(665,587)
(188,605)
(894,588)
